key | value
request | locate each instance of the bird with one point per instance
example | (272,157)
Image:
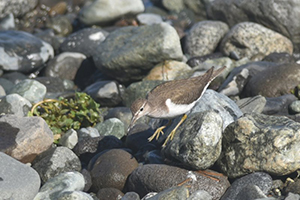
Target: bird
(171,99)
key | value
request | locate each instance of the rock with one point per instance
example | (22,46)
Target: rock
(273,82)
(2,92)
(6,84)
(138,90)
(139,49)
(87,132)
(157,178)
(31,90)
(259,180)
(23,138)
(18,181)
(64,65)
(280,58)
(257,142)
(198,7)
(239,76)
(197,142)
(49,36)
(106,93)
(21,51)
(149,18)
(278,105)
(180,192)
(56,161)
(14,104)
(56,86)
(103,11)
(294,107)
(251,192)
(89,147)
(197,60)
(111,169)
(69,195)
(272,14)
(14,77)
(221,104)
(17,7)
(122,113)
(175,6)
(56,186)
(200,195)
(168,70)
(252,104)
(109,193)
(112,126)
(8,22)
(69,139)
(204,37)
(84,41)
(293,187)
(249,39)
(61,24)
(131,196)
(292,196)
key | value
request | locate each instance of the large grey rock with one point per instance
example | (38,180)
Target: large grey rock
(14,104)
(24,138)
(280,16)
(31,90)
(105,11)
(250,40)
(21,51)
(56,161)
(257,142)
(204,37)
(130,52)
(64,182)
(18,181)
(197,142)
(17,7)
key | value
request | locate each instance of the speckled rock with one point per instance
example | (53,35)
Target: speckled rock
(21,51)
(280,16)
(259,179)
(18,181)
(204,37)
(56,161)
(61,24)
(84,41)
(109,193)
(200,195)
(249,39)
(134,59)
(31,90)
(74,195)
(56,186)
(112,126)
(105,11)
(197,142)
(257,142)
(180,192)
(24,138)
(16,7)
(111,169)
(14,104)
(157,178)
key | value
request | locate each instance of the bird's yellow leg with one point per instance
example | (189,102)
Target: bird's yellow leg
(158,131)
(171,135)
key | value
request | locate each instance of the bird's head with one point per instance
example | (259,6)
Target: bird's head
(139,108)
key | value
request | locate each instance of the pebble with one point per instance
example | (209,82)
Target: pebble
(69,139)
(112,126)
(254,104)
(109,193)
(17,180)
(55,161)
(14,104)
(58,185)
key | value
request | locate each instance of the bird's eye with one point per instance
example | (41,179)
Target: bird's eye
(141,109)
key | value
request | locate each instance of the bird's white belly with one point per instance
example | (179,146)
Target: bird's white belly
(177,109)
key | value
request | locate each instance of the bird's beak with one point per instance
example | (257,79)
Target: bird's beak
(133,120)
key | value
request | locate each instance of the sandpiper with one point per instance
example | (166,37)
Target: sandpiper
(171,99)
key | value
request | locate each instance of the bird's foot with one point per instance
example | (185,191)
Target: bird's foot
(170,137)
(156,133)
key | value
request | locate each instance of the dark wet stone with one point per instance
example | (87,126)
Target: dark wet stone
(278,105)
(259,179)
(196,60)
(280,58)
(84,41)
(55,84)
(157,178)
(29,52)
(111,169)
(293,187)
